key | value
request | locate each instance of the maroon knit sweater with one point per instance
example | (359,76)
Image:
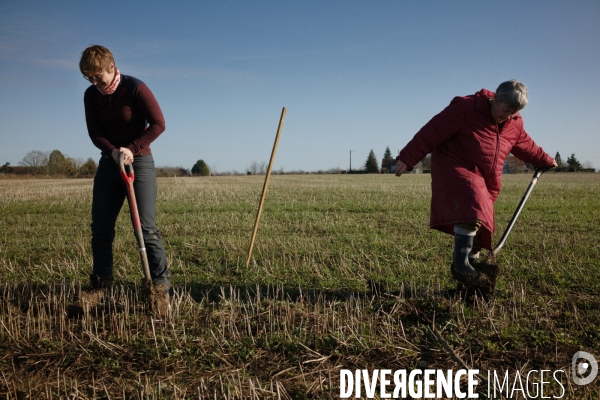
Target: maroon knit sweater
(130,117)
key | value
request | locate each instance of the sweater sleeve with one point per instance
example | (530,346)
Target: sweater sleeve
(149,107)
(525,149)
(94,127)
(438,130)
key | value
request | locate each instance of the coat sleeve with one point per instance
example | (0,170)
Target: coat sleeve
(149,107)
(438,130)
(525,149)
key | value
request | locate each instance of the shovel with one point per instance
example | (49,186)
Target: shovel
(489,266)
(129,178)
(158,297)
(511,223)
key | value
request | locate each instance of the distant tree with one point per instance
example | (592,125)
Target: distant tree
(201,168)
(257,168)
(573,163)
(35,159)
(88,168)
(371,165)
(558,160)
(388,154)
(76,162)
(252,169)
(72,166)
(56,163)
(6,168)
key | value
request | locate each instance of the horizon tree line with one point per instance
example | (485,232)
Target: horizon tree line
(56,163)
(571,165)
(38,162)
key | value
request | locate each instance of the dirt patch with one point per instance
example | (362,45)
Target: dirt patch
(485,292)
(158,297)
(491,269)
(90,298)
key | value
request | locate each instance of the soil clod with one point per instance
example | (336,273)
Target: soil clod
(90,298)
(159,299)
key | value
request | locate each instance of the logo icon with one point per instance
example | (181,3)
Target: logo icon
(585,371)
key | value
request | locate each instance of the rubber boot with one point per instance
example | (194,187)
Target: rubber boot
(462,248)
(473,258)
(475,250)
(461,268)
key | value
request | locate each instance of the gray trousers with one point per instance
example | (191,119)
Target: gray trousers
(109,195)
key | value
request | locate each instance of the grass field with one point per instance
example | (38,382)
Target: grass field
(345,275)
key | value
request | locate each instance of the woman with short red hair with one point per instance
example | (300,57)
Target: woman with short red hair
(122,117)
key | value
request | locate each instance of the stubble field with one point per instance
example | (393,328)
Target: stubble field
(345,275)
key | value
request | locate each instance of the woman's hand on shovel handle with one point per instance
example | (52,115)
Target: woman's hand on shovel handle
(127,155)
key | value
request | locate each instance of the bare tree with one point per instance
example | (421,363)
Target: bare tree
(262,168)
(36,159)
(253,169)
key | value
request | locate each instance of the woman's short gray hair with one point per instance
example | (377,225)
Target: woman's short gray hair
(513,93)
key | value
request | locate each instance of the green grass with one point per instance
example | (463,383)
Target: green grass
(344,269)
(330,231)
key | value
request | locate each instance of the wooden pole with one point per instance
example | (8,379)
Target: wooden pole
(264,191)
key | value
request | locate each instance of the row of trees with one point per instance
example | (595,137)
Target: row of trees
(571,165)
(38,162)
(372,164)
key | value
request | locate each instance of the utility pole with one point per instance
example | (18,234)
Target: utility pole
(350,160)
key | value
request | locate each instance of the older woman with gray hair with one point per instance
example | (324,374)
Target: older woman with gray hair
(469,141)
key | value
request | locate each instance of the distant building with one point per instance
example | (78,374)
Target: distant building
(388,166)
(512,165)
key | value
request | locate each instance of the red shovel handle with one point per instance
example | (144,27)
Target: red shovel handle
(128,178)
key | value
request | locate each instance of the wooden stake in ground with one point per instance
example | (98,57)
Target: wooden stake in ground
(264,191)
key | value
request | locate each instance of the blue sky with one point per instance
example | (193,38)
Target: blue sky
(353,75)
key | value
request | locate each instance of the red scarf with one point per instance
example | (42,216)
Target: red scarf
(113,85)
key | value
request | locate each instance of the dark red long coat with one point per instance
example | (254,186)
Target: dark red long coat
(468,150)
